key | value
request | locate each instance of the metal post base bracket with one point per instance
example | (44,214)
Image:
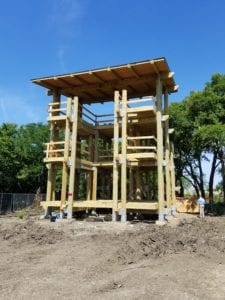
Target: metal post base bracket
(69,215)
(114,216)
(161,220)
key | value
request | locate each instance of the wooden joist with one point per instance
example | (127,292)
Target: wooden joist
(140,109)
(142,148)
(148,137)
(144,155)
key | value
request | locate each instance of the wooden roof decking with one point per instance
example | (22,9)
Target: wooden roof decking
(98,85)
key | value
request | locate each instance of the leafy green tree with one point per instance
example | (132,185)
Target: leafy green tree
(21,157)
(29,144)
(9,164)
(199,130)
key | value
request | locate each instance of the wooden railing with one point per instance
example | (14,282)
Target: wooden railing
(105,154)
(141,100)
(140,144)
(54,149)
(94,119)
(57,108)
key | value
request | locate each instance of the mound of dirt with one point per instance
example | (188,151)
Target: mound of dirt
(30,232)
(199,236)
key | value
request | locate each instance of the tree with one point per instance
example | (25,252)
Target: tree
(21,157)
(187,157)
(199,129)
(29,143)
(9,164)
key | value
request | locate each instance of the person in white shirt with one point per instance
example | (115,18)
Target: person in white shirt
(201,203)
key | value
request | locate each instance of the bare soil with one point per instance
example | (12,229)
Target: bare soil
(184,259)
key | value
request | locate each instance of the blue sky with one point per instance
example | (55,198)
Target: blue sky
(47,37)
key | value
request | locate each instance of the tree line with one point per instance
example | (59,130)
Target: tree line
(199,123)
(21,157)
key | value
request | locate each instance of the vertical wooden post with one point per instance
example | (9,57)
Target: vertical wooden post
(89,174)
(55,137)
(160,149)
(167,154)
(138,175)
(66,156)
(124,157)
(94,183)
(49,182)
(96,146)
(115,156)
(95,170)
(73,158)
(50,193)
(173,180)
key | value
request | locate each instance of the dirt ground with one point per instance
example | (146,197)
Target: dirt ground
(184,259)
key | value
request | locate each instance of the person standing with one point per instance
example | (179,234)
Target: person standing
(201,203)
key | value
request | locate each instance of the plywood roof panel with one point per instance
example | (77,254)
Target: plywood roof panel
(98,85)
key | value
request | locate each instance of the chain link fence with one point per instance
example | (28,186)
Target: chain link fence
(11,202)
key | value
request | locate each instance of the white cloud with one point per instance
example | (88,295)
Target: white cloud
(19,109)
(61,57)
(65,21)
(64,15)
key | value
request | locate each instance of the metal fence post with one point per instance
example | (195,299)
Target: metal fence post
(12,202)
(0,203)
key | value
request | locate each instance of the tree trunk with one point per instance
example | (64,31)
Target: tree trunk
(201,178)
(211,178)
(195,182)
(196,190)
(223,177)
(195,186)
(181,194)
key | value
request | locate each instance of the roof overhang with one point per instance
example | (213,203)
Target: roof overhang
(98,85)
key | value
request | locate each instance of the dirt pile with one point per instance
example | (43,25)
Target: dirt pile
(199,236)
(185,257)
(30,232)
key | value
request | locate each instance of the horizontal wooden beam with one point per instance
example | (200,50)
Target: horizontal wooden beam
(93,203)
(141,147)
(140,109)
(46,204)
(144,155)
(142,205)
(118,83)
(147,137)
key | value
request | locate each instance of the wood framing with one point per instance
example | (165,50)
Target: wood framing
(124,156)
(167,154)
(160,148)
(116,153)
(72,162)
(65,169)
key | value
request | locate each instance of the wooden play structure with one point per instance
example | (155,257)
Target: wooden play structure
(123,159)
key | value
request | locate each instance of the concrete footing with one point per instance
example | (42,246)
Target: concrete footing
(46,213)
(114,216)
(123,214)
(69,215)
(173,210)
(161,219)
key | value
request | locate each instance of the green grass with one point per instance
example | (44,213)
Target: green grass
(21,214)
